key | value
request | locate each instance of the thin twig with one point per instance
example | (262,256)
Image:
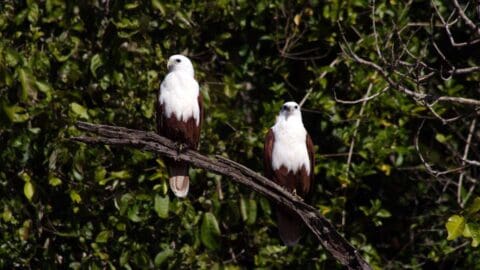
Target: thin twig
(352,144)
(364,99)
(465,156)
(332,64)
(357,124)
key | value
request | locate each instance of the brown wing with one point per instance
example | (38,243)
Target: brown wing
(187,132)
(267,154)
(308,181)
(198,129)
(159,114)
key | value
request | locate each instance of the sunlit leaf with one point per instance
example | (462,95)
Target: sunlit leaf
(440,138)
(75,197)
(15,113)
(455,226)
(54,181)
(28,190)
(79,110)
(124,174)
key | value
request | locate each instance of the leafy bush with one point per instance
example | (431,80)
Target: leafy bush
(72,205)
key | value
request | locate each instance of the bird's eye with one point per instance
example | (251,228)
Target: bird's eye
(296,106)
(284,107)
(178,60)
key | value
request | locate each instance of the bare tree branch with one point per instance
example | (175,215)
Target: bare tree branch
(447,25)
(323,230)
(465,156)
(465,18)
(402,88)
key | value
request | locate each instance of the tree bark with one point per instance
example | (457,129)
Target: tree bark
(323,230)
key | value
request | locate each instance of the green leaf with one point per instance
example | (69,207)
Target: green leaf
(265,206)
(210,232)
(103,236)
(252,211)
(7,214)
(95,63)
(75,197)
(100,174)
(28,190)
(33,13)
(474,207)
(383,213)
(27,80)
(46,89)
(440,138)
(124,202)
(162,205)
(133,213)
(15,113)
(473,232)
(54,181)
(162,256)
(123,174)
(79,110)
(248,210)
(455,226)
(243,208)
(159,5)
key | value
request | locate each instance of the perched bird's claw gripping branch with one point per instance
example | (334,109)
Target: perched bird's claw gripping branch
(323,230)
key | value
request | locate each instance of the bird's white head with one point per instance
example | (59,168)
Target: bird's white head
(179,62)
(289,110)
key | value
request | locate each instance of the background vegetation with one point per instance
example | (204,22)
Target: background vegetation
(389,186)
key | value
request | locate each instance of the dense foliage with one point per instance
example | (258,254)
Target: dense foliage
(66,204)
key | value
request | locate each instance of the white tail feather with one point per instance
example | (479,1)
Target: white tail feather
(179,185)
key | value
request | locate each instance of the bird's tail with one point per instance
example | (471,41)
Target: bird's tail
(289,227)
(179,180)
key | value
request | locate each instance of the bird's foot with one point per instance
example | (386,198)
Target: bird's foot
(180,147)
(294,193)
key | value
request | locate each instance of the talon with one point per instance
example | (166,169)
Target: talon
(177,147)
(294,193)
(181,147)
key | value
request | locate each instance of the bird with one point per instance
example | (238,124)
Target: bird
(179,116)
(289,161)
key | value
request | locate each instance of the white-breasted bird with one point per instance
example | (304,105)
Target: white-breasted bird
(289,161)
(180,116)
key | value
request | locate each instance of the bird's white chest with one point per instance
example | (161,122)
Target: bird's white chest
(290,148)
(179,96)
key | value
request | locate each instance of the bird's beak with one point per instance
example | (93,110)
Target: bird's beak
(288,112)
(169,65)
